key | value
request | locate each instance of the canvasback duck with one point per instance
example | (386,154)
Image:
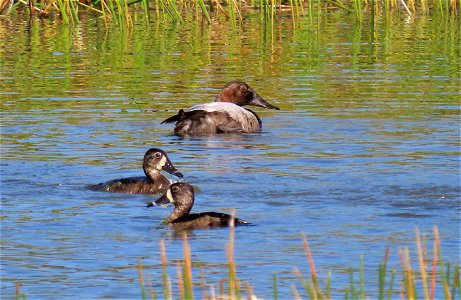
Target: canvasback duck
(181,195)
(154,182)
(225,115)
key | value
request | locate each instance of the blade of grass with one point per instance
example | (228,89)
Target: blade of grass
(310,10)
(90,8)
(296,295)
(407,273)
(249,290)
(180,281)
(274,286)
(293,14)
(166,285)
(141,279)
(456,282)
(178,16)
(328,287)
(73,12)
(352,284)
(203,284)
(443,274)
(205,11)
(362,278)
(314,277)
(63,12)
(406,7)
(127,15)
(306,284)
(234,290)
(187,270)
(434,268)
(422,264)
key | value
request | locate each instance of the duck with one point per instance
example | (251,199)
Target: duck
(181,195)
(155,160)
(224,115)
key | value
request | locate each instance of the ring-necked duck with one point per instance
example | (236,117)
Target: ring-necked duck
(225,115)
(181,195)
(154,182)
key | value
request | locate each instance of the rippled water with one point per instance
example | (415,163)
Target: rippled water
(364,150)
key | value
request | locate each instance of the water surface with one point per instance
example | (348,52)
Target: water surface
(364,149)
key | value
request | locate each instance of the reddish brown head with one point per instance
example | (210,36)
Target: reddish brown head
(242,94)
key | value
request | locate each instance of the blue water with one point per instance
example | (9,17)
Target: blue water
(360,155)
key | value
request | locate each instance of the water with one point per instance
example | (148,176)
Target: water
(364,150)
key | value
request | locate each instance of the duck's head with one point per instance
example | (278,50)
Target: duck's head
(242,94)
(181,195)
(157,159)
(178,194)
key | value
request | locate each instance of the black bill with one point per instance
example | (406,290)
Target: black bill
(258,101)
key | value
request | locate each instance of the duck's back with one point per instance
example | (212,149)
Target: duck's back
(216,117)
(206,220)
(132,185)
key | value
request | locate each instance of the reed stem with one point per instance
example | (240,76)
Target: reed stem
(187,270)
(166,285)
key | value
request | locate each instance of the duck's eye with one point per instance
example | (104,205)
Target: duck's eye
(175,189)
(158,154)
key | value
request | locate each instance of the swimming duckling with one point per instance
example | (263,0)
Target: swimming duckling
(181,195)
(154,182)
(225,115)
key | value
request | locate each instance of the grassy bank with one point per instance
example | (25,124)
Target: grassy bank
(424,281)
(209,11)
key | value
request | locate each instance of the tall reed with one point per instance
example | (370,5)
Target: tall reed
(204,10)
(440,274)
(121,12)
(166,280)
(234,285)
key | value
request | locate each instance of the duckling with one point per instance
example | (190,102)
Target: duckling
(154,182)
(225,115)
(181,195)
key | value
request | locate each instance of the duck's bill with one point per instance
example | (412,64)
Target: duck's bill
(168,167)
(258,101)
(162,201)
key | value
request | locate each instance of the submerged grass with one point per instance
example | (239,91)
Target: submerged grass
(121,11)
(433,273)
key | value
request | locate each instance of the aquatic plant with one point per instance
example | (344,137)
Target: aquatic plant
(433,273)
(121,11)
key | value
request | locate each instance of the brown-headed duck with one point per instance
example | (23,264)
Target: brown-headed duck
(154,182)
(225,115)
(181,195)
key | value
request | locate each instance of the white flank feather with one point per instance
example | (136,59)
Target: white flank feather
(234,111)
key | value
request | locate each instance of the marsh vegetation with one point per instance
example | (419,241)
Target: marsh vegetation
(432,274)
(211,11)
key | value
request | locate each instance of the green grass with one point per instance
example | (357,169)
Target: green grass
(121,12)
(411,283)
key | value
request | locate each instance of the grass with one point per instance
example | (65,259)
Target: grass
(121,11)
(413,283)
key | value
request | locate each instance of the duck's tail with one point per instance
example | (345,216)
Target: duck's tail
(174,118)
